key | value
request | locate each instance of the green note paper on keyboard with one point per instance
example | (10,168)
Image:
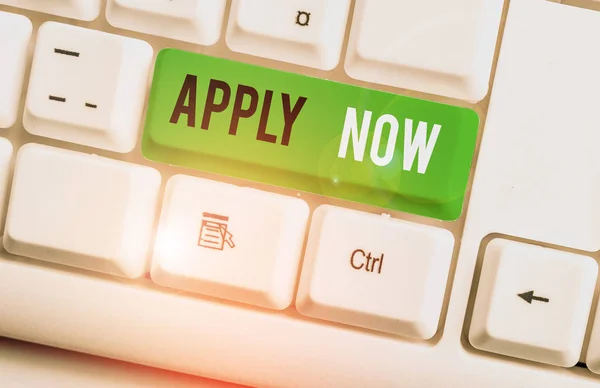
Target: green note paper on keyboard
(309,134)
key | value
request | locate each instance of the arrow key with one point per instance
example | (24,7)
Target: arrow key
(533,302)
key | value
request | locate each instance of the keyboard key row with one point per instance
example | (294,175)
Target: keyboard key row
(225,241)
(436,47)
(245,245)
(88,87)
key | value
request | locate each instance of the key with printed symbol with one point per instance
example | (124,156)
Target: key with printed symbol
(188,20)
(309,134)
(308,33)
(87,87)
(86,10)
(375,272)
(533,302)
(229,242)
(15,32)
(81,210)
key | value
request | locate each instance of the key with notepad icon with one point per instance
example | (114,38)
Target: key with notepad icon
(257,266)
(214,233)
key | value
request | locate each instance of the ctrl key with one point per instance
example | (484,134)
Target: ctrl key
(533,302)
(374,272)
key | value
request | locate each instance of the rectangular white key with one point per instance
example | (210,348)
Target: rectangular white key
(304,32)
(15,32)
(533,302)
(230,242)
(539,153)
(81,210)
(195,21)
(396,271)
(87,87)
(433,46)
(86,10)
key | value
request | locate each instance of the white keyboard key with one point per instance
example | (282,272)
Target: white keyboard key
(230,242)
(6,151)
(87,10)
(538,166)
(397,271)
(529,165)
(533,302)
(304,32)
(87,87)
(195,21)
(15,32)
(81,210)
(433,46)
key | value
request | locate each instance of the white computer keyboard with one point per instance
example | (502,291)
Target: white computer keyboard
(304,193)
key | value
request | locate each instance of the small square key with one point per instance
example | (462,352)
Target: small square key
(229,242)
(375,272)
(87,87)
(533,302)
(304,32)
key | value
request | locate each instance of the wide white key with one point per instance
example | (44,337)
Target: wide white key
(87,10)
(433,46)
(304,32)
(539,166)
(81,210)
(230,242)
(533,302)
(375,272)
(87,87)
(195,21)
(15,32)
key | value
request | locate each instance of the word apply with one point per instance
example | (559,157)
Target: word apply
(241,109)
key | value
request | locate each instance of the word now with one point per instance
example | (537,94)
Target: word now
(214,105)
(412,144)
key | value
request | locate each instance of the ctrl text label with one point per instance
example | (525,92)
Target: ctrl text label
(361,260)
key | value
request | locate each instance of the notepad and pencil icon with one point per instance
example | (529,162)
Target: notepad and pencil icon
(214,233)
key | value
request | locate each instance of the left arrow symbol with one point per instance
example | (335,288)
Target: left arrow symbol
(528,297)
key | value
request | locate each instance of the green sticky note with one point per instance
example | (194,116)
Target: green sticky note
(309,134)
